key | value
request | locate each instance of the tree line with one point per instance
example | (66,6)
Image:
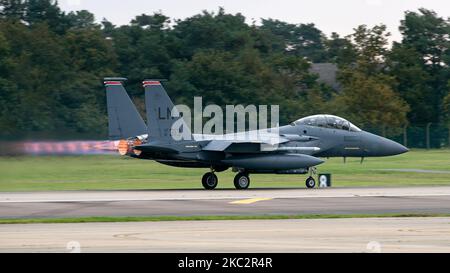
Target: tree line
(52,63)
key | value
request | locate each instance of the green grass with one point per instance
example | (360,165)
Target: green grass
(117,173)
(207,218)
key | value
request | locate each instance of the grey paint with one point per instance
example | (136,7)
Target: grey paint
(273,161)
(159,112)
(301,147)
(124,119)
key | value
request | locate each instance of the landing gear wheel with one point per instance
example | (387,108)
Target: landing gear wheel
(310,183)
(242,181)
(210,181)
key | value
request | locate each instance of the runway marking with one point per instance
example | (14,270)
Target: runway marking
(250,201)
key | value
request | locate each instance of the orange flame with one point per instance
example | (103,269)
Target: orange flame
(125,147)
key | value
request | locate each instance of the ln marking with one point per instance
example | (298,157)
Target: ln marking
(250,201)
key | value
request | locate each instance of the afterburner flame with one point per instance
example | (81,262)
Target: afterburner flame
(64,147)
(125,147)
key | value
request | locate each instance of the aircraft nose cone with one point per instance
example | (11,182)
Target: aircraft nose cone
(402,149)
(389,147)
(316,161)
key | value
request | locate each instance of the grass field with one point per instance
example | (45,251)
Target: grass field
(114,173)
(208,218)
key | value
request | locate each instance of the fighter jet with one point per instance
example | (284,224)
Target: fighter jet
(298,147)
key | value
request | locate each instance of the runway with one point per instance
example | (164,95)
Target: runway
(292,236)
(225,202)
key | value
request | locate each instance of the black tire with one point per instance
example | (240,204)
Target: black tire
(310,183)
(210,181)
(242,181)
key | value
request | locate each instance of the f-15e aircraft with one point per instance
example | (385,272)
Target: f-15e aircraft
(292,149)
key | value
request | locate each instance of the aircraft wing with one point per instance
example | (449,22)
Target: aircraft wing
(246,143)
(217,146)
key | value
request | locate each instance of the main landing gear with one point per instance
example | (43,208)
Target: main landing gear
(210,181)
(241,181)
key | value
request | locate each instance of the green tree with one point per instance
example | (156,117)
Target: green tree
(368,96)
(340,50)
(209,30)
(107,27)
(283,33)
(372,103)
(421,64)
(50,81)
(142,51)
(8,90)
(370,45)
(46,11)
(82,19)
(446,107)
(12,9)
(35,70)
(91,58)
(304,40)
(310,42)
(406,66)
(156,21)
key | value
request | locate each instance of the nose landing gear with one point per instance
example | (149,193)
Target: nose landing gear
(311,182)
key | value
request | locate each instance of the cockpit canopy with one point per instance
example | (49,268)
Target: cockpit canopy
(328,121)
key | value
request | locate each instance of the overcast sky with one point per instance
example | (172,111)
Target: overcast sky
(339,16)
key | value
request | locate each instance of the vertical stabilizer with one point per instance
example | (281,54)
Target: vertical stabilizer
(124,119)
(159,112)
